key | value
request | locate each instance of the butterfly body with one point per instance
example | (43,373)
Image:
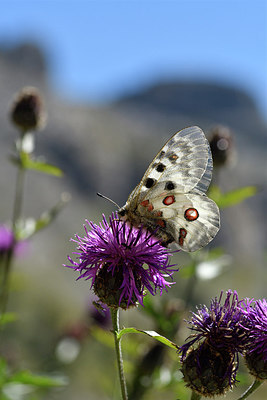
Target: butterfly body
(170,200)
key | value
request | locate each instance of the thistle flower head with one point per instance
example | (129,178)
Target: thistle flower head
(219,324)
(8,242)
(210,369)
(121,261)
(255,325)
(6,239)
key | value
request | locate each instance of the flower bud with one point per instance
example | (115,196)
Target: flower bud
(221,144)
(209,371)
(27,111)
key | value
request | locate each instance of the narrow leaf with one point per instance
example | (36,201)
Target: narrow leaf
(27,378)
(41,166)
(152,334)
(233,197)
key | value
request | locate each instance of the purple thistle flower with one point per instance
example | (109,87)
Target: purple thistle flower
(9,243)
(211,368)
(121,261)
(256,326)
(6,239)
(219,325)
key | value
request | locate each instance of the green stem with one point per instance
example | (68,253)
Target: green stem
(18,196)
(116,330)
(9,258)
(251,389)
(195,396)
(5,281)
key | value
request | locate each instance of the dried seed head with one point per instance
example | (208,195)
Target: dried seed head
(27,111)
(221,145)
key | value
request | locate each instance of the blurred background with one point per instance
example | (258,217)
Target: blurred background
(118,79)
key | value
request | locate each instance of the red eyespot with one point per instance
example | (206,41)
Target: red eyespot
(191,214)
(144,203)
(182,236)
(150,207)
(161,223)
(169,200)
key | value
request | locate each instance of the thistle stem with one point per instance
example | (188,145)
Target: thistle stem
(18,196)
(116,330)
(251,389)
(9,258)
(195,396)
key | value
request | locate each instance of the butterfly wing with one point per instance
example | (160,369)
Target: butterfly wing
(191,219)
(185,159)
(171,195)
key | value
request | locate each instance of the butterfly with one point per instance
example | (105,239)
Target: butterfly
(170,201)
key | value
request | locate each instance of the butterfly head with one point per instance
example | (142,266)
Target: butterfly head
(122,212)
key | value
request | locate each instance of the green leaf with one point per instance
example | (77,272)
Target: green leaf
(27,378)
(7,318)
(41,166)
(152,334)
(233,197)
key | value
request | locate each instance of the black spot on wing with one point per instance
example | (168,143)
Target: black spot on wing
(170,185)
(149,182)
(160,167)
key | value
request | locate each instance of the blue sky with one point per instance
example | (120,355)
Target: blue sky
(100,49)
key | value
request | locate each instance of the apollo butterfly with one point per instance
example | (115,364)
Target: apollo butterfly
(170,201)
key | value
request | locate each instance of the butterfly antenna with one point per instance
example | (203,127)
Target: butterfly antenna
(107,198)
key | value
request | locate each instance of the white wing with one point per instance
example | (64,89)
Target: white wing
(185,160)
(189,234)
(171,195)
